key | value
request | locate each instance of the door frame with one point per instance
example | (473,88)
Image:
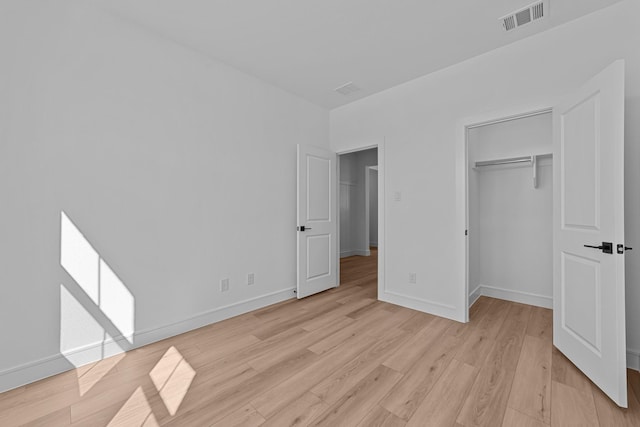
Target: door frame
(381,211)
(367,201)
(462,184)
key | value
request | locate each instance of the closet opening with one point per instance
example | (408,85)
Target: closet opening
(358,221)
(510,210)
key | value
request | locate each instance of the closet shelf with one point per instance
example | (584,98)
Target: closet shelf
(531,160)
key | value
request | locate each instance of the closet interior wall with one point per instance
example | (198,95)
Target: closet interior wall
(510,221)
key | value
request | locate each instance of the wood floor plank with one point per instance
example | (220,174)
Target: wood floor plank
(263,361)
(327,344)
(513,418)
(541,323)
(492,321)
(480,308)
(417,322)
(531,389)
(362,311)
(633,377)
(276,398)
(476,347)
(325,319)
(214,377)
(397,318)
(404,398)
(460,330)
(300,412)
(487,400)
(408,353)
(136,411)
(380,417)
(210,351)
(572,407)
(200,408)
(281,325)
(31,410)
(336,385)
(441,406)
(358,402)
(246,416)
(59,418)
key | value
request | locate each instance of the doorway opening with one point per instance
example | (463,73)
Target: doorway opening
(358,221)
(510,210)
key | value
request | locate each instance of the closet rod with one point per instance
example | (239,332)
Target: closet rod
(524,159)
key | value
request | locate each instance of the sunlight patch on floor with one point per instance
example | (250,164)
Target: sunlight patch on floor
(136,411)
(93,373)
(172,377)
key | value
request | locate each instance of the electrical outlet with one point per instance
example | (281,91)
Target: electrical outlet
(224,285)
(412,278)
(251,279)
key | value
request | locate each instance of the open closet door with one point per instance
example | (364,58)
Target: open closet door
(317,222)
(588,283)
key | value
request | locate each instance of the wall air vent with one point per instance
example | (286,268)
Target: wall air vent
(520,17)
(347,89)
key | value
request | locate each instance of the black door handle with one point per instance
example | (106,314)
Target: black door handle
(622,248)
(606,247)
(303,228)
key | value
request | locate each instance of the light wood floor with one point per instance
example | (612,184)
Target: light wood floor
(340,358)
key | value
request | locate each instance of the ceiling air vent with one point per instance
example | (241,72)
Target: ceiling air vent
(533,12)
(347,89)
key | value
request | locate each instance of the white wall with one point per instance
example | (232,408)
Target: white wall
(418,122)
(353,231)
(510,221)
(177,170)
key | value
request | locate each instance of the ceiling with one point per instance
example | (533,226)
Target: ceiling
(310,47)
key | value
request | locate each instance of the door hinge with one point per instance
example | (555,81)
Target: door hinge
(466,232)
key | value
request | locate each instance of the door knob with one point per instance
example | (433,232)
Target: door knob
(606,247)
(622,248)
(303,228)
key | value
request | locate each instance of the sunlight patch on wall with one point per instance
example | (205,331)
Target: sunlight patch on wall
(83,340)
(172,377)
(136,411)
(96,278)
(79,331)
(116,302)
(100,304)
(79,258)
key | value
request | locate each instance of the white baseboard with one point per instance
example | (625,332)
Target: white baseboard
(33,371)
(354,252)
(633,359)
(511,295)
(474,295)
(442,310)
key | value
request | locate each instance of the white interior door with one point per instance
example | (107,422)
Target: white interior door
(317,222)
(589,285)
